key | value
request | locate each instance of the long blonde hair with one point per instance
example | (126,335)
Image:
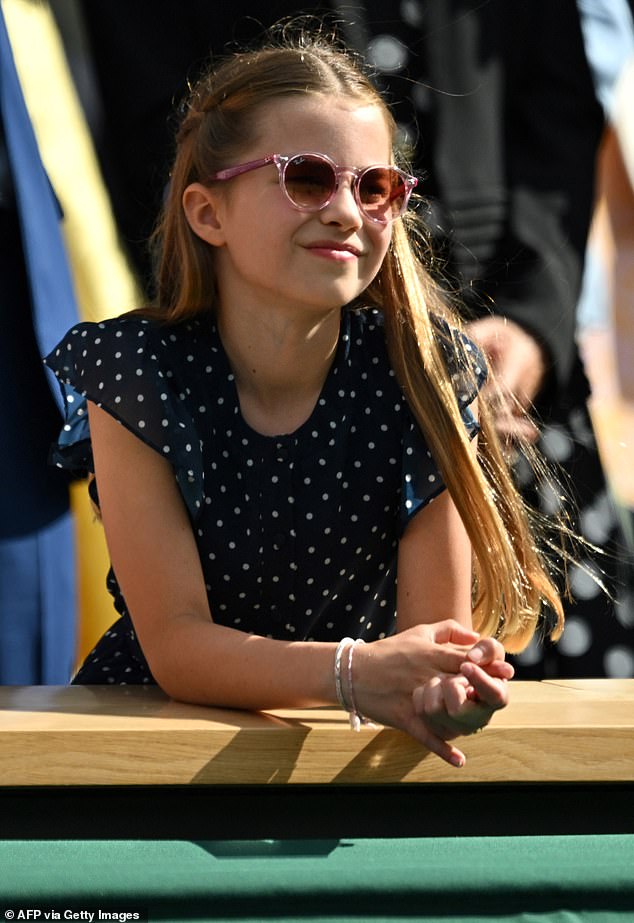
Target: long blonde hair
(511,580)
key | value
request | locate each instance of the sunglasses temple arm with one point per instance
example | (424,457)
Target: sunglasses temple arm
(230,172)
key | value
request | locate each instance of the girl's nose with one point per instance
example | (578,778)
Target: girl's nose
(343,208)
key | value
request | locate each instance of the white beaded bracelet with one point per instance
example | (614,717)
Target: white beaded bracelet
(356,718)
(348,702)
(338,683)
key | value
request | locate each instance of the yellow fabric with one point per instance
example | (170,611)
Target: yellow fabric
(96,611)
(103,281)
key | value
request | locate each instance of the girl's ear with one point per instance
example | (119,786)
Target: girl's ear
(200,205)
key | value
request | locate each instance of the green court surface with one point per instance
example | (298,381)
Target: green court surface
(527,879)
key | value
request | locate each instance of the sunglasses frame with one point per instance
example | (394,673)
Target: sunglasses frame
(282,161)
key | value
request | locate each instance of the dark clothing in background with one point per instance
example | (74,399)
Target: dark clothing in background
(30,418)
(509,127)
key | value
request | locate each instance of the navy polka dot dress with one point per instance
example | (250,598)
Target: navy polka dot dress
(298,533)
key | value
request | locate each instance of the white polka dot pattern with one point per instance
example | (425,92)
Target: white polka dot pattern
(297,534)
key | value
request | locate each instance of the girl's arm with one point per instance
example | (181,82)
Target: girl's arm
(434,563)
(434,584)
(434,567)
(155,558)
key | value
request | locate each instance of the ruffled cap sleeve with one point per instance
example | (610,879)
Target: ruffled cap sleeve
(131,368)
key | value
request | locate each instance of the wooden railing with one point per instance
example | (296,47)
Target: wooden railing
(555,731)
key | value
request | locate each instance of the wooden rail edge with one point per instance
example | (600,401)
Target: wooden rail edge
(552,731)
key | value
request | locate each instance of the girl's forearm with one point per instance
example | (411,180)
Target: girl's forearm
(205,663)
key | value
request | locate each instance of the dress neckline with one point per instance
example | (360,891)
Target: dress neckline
(327,404)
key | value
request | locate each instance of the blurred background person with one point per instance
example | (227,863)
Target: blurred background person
(606,309)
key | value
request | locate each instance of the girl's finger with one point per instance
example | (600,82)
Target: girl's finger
(446,660)
(455,694)
(431,706)
(487,650)
(465,713)
(489,690)
(446,751)
(500,669)
(450,631)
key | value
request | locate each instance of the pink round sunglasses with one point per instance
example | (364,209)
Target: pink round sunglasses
(310,181)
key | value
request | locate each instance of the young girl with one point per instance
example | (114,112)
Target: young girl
(292,412)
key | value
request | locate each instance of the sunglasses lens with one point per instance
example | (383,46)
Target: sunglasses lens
(309,181)
(382,193)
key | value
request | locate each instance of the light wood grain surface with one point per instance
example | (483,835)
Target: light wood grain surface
(560,731)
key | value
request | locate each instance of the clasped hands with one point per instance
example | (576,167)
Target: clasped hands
(435,682)
(449,706)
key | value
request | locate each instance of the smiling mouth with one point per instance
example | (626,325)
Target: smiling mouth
(334,249)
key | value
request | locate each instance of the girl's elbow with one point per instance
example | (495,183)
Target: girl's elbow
(177,682)
(173,661)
